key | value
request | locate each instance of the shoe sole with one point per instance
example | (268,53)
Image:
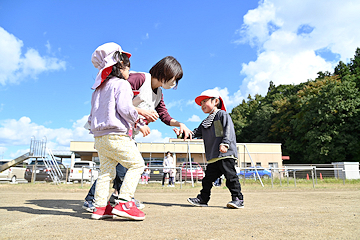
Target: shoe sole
(233,206)
(126,215)
(88,209)
(99,217)
(197,205)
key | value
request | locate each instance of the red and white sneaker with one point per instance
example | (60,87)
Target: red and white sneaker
(128,210)
(102,212)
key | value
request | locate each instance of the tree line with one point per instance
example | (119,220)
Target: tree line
(316,121)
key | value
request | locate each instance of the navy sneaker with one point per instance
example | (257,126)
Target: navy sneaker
(88,206)
(112,200)
(197,202)
(237,203)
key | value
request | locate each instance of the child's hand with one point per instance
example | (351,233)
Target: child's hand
(145,130)
(150,115)
(177,131)
(223,149)
(184,131)
(187,132)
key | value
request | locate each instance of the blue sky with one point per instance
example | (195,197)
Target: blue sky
(236,47)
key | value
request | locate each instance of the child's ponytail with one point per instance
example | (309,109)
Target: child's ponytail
(122,62)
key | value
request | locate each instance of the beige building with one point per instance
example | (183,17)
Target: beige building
(260,154)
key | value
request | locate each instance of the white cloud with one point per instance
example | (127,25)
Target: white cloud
(16,66)
(255,27)
(146,36)
(230,100)
(177,104)
(15,135)
(191,103)
(19,133)
(19,152)
(48,47)
(287,36)
(194,118)
(79,131)
(154,136)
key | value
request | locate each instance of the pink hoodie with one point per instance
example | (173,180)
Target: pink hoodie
(112,110)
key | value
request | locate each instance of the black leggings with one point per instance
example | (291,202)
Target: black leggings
(164,176)
(214,171)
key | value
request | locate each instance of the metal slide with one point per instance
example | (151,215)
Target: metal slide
(50,162)
(35,149)
(38,150)
(15,161)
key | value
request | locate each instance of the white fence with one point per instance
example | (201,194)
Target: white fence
(289,171)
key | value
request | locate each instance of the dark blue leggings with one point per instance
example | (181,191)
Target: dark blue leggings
(120,174)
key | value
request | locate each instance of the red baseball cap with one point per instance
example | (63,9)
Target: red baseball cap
(211,93)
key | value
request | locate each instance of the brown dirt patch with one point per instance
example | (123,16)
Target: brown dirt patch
(43,211)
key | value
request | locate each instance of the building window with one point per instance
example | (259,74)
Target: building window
(245,165)
(153,159)
(273,165)
(96,160)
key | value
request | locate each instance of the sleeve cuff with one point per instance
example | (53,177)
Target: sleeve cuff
(224,144)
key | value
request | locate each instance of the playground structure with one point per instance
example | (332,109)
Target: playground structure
(38,150)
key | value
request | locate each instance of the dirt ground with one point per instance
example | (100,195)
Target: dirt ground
(45,211)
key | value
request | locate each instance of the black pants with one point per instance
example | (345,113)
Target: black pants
(214,171)
(164,176)
(120,174)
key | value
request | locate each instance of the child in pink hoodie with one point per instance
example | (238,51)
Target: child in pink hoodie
(112,119)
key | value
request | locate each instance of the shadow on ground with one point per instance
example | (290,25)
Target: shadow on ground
(53,207)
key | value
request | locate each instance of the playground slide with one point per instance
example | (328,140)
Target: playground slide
(15,161)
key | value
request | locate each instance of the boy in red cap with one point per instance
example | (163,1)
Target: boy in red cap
(218,133)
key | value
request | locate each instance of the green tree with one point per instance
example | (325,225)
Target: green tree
(316,121)
(355,63)
(342,70)
(243,117)
(327,127)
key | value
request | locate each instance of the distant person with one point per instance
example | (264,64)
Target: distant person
(168,164)
(111,120)
(145,176)
(172,175)
(150,104)
(218,133)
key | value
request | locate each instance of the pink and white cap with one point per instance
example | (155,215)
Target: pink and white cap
(102,59)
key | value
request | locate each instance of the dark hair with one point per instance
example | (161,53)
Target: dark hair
(166,69)
(123,61)
(219,105)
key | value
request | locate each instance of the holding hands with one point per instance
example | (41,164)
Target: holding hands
(183,130)
(150,115)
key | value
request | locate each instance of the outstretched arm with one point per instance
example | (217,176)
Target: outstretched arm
(183,129)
